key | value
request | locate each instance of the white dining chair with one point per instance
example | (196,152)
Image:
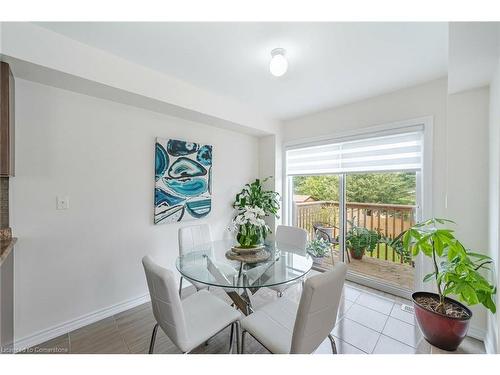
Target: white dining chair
(189,238)
(192,321)
(296,238)
(285,327)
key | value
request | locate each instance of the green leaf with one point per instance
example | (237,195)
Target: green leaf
(478,256)
(458,267)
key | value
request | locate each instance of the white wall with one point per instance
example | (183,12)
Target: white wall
(270,166)
(460,131)
(467,173)
(467,166)
(100,154)
(493,340)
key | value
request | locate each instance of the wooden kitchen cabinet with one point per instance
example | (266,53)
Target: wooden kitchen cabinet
(6,121)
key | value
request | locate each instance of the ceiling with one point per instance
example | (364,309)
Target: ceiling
(474,50)
(330,64)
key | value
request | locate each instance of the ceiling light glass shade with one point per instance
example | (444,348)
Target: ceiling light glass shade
(279,64)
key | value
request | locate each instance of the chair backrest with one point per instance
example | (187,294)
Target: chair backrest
(294,236)
(321,234)
(192,236)
(167,307)
(317,311)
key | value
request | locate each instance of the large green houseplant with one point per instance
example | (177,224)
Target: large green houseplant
(253,203)
(456,271)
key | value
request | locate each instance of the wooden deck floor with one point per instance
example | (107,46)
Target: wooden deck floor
(391,272)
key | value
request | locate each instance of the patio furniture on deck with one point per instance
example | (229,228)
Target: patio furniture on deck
(327,233)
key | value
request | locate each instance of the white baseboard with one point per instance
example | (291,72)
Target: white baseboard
(488,346)
(491,336)
(60,329)
(477,333)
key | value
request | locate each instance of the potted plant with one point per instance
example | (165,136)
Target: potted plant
(360,239)
(318,248)
(397,246)
(444,321)
(252,205)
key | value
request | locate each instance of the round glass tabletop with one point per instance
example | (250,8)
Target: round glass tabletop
(208,264)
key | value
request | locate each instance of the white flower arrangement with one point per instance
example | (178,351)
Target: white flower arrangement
(250,215)
(249,221)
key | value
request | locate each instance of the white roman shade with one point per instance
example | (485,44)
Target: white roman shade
(396,152)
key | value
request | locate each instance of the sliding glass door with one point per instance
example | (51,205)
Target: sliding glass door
(384,205)
(359,191)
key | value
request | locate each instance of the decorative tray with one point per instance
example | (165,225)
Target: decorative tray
(247,250)
(256,257)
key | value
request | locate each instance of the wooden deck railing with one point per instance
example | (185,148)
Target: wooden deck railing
(389,219)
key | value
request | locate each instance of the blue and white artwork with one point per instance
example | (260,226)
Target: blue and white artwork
(183,180)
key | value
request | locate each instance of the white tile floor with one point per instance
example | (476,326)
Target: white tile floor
(356,334)
(386,345)
(376,303)
(367,317)
(373,322)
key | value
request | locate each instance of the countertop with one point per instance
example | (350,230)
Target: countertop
(6,247)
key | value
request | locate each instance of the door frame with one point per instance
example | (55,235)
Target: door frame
(423,191)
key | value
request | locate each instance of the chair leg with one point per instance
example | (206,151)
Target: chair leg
(332,342)
(153,339)
(238,348)
(243,334)
(180,287)
(231,336)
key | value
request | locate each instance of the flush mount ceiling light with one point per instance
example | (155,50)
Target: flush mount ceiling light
(278,64)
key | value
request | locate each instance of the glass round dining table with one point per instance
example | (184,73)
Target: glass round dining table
(207,264)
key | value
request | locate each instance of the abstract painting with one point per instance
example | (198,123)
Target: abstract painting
(183,180)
